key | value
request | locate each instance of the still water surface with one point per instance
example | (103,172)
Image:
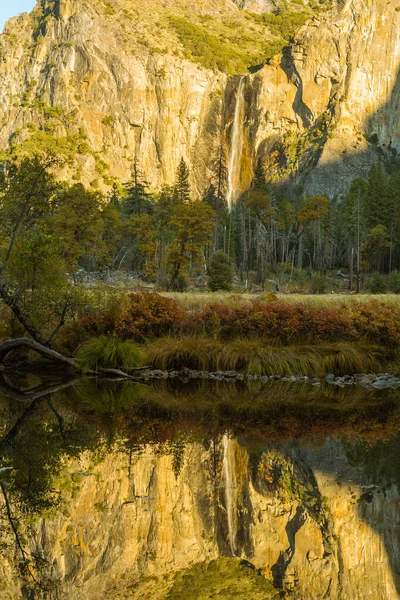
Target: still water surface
(198,490)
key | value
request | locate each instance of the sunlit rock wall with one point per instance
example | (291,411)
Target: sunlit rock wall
(131,101)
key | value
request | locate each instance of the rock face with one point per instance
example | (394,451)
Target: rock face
(258,6)
(113,76)
(316,526)
(315,111)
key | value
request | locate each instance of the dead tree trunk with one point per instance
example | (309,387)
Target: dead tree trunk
(10,300)
(73,363)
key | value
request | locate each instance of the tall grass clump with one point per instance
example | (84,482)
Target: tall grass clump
(256,357)
(109,353)
(198,353)
(253,357)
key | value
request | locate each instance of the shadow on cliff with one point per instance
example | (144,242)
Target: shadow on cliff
(319,177)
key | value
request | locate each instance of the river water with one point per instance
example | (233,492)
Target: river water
(198,490)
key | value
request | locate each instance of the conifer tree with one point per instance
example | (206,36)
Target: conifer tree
(137,199)
(219,185)
(182,190)
(355,224)
(220,272)
(377,205)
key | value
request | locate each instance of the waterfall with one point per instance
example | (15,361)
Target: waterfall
(236,146)
(230,490)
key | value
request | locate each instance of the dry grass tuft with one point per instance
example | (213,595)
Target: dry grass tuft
(257,358)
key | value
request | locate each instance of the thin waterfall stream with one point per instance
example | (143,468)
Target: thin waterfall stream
(236,146)
(230,490)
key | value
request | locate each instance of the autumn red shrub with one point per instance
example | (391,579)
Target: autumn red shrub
(93,321)
(377,322)
(148,314)
(278,321)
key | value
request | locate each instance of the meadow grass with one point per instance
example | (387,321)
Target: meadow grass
(193,301)
(256,357)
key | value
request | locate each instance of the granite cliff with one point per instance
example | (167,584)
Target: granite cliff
(126,80)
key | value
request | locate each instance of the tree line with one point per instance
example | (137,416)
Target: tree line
(50,231)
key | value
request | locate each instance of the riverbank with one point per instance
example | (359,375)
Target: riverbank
(369,381)
(266,337)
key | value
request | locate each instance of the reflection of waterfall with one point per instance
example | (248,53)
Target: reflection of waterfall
(235,155)
(230,490)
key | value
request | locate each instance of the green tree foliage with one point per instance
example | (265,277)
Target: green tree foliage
(181,190)
(28,196)
(377,199)
(375,246)
(220,272)
(394,281)
(137,200)
(193,225)
(47,230)
(376,284)
(78,224)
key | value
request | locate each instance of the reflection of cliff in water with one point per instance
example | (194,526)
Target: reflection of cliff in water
(141,493)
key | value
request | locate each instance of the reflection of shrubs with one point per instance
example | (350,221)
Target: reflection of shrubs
(109,353)
(105,396)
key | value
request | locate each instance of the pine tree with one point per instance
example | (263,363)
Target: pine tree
(355,224)
(220,272)
(220,186)
(377,205)
(137,199)
(193,223)
(393,201)
(182,190)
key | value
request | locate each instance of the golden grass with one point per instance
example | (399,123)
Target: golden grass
(255,357)
(192,301)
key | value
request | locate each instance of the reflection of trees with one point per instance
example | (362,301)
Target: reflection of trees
(47,427)
(34,448)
